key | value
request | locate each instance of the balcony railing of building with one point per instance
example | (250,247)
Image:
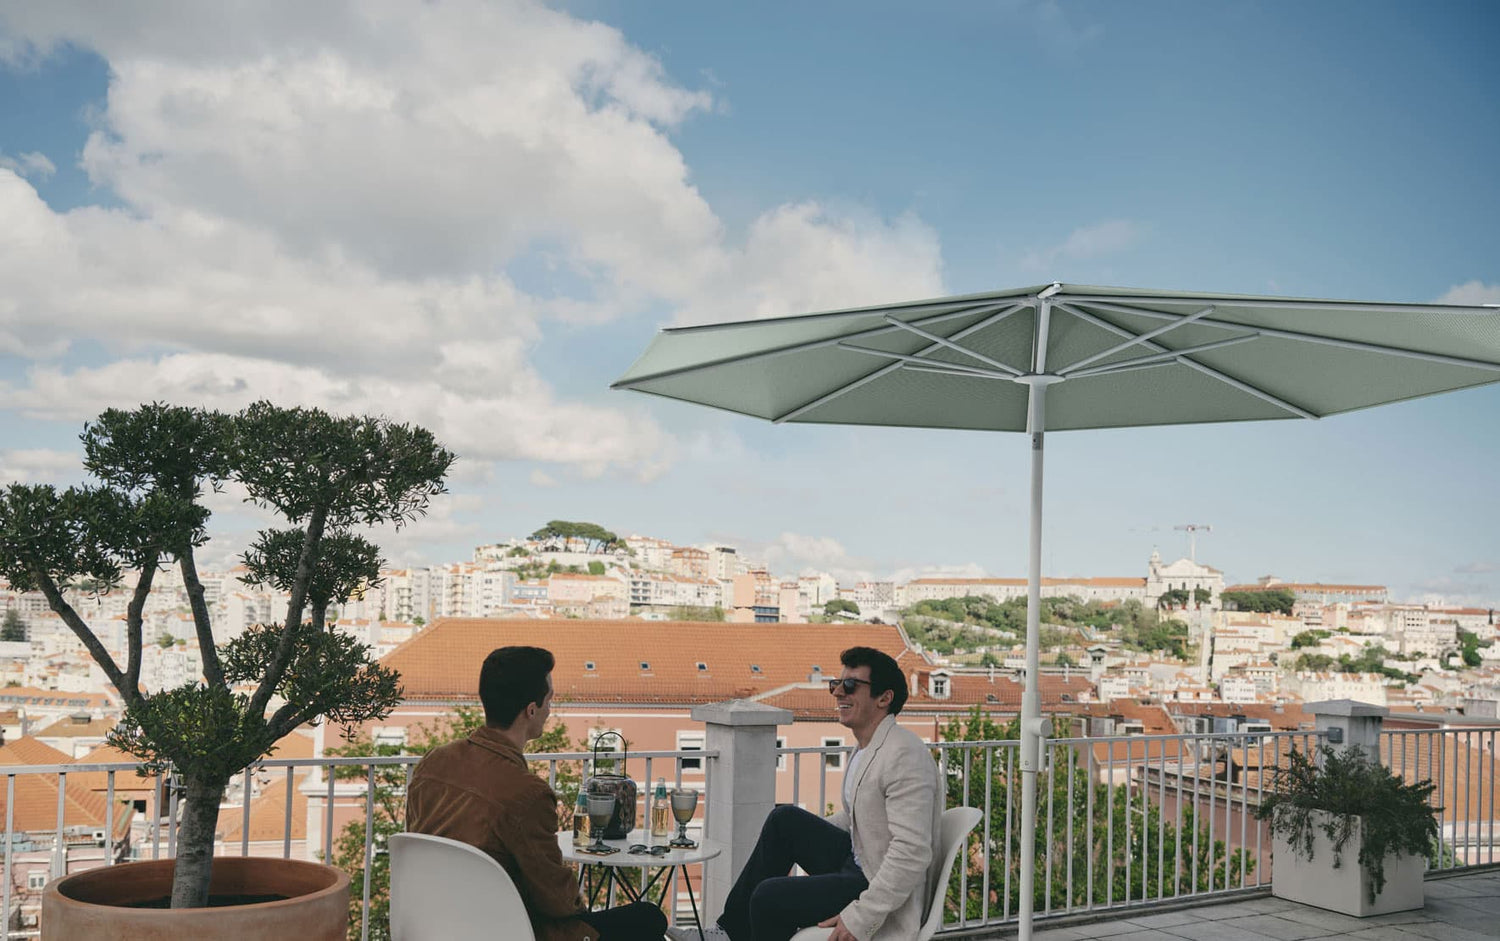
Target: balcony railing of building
(1125,821)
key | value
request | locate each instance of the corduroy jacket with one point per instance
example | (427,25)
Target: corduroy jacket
(479,791)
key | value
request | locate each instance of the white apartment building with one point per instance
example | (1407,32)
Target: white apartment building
(820,588)
(1316,686)
(662,589)
(652,554)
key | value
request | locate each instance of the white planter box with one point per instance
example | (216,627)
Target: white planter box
(1347,888)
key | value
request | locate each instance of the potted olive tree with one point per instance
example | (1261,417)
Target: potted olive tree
(1347,807)
(144,510)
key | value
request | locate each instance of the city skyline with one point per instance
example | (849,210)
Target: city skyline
(475,215)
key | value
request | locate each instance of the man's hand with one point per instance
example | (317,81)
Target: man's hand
(840,933)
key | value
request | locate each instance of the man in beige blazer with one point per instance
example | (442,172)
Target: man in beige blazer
(867,865)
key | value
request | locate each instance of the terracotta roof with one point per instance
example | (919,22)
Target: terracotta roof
(126,782)
(267,813)
(443,661)
(29,751)
(66,727)
(47,698)
(35,808)
(1002,695)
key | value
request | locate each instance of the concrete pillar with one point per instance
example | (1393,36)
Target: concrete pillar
(1350,722)
(742,787)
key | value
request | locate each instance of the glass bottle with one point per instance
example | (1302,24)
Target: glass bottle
(661,810)
(581,819)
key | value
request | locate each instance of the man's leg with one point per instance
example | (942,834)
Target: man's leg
(638,921)
(790,836)
(781,907)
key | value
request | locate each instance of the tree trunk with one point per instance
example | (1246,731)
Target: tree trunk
(195,843)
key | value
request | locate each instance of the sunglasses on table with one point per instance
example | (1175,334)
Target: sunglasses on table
(849,683)
(641,849)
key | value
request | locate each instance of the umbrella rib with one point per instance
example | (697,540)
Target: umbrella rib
(1142,338)
(799,347)
(1230,300)
(1280,334)
(1009,370)
(827,397)
(1223,377)
(957,368)
(1157,359)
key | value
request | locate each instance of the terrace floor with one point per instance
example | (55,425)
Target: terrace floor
(1459,908)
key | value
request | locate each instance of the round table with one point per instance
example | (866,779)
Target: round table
(674,858)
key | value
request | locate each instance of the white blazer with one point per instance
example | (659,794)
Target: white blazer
(895,824)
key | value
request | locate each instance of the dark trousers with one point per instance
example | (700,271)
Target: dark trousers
(638,921)
(767,904)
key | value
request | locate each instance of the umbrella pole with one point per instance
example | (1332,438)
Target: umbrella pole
(1031,703)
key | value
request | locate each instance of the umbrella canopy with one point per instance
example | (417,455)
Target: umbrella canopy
(1062,356)
(1117,356)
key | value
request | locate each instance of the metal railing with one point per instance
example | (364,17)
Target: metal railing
(1124,820)
(369,791)
(1462,763)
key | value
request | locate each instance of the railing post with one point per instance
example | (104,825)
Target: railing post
(1345,722)
(743,733)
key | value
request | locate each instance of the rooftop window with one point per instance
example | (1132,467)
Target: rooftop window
(702,667)
(645,666)
(754,668)
(588,664)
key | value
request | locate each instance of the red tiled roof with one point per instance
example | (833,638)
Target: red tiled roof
(443,661)
(267,814)
(29,751)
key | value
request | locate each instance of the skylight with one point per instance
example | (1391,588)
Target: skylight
(588,665)
(702,667)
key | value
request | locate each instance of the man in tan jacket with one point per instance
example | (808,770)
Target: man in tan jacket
(868,865)
(479,791)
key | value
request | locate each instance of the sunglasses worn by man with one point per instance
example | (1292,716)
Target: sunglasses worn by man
(849,683)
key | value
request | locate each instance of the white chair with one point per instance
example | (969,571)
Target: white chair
(957,822)
(444,890)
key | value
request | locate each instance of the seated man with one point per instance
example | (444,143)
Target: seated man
(868,864)
(479,791)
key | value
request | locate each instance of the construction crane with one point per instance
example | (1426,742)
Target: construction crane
(1193,529)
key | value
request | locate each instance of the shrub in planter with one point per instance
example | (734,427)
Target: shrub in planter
(153,467)
(1356,805)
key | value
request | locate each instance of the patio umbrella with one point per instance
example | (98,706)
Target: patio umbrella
(1060,357)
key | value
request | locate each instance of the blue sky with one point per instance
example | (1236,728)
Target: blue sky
(474,215)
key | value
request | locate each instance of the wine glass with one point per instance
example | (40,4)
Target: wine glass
(684,805)
(601,808)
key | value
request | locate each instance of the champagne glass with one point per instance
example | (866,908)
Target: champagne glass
(601,808)
(684,805)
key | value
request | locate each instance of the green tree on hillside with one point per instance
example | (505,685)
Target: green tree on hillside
(13,629)
(1276,600)
(557,533)
(838,605)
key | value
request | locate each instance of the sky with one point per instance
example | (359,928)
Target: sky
(475,215)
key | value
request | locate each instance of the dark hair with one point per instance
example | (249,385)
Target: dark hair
(511,679)
(884,673)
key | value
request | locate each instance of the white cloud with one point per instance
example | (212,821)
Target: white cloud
(38,465)
(1478,568)
(962,570)
(34,165)
(540,478)
(321,206)
(1104,238)
(1471,293)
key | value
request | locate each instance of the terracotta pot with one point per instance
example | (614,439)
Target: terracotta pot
(94,904)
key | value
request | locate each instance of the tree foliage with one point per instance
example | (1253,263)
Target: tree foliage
(1269,600)
(1469,645)
(13,629)
(836,605)
(1076,815)
(152,468)
(1370,660)
(558,533)
(1309,638)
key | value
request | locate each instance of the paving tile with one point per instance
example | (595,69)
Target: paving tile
(1165,919)
(1275,926)
(1331,922)
(1480,903)
(1140,935)
(1380,933)
(1450,888)
(1062,934)
(1229,930)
